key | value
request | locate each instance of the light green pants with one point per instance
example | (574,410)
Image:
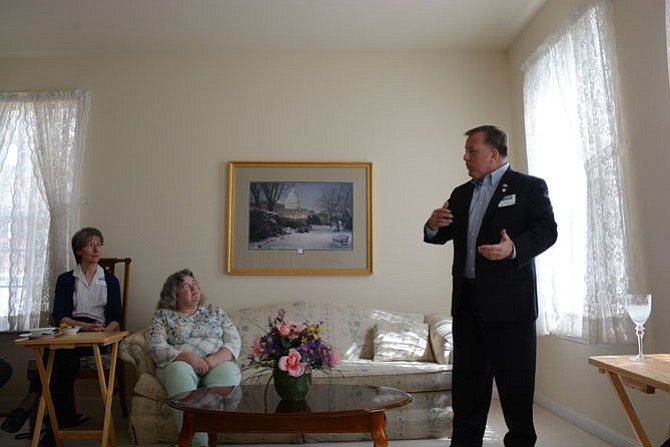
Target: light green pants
(179,377)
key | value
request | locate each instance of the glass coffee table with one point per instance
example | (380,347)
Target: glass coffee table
(257,409)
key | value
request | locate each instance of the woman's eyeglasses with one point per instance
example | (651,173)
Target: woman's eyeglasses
(93,245)
(189,285)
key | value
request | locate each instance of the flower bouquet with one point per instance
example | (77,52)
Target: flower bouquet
(292,351)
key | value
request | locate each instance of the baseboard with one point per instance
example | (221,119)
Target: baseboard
(589,425)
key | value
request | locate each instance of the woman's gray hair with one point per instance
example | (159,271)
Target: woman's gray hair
(168,299)
(80,239)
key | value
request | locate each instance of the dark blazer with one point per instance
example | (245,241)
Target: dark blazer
(64,302)
(506,289)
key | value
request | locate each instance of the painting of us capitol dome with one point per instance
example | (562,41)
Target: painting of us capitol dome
(301,216)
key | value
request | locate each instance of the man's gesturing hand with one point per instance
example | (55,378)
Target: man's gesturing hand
(441,217)
(501,250)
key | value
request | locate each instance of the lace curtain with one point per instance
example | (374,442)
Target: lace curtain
(41,150)
(573,141)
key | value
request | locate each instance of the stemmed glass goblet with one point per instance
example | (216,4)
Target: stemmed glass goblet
(639,309)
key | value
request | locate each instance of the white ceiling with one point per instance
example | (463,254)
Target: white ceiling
(42,27)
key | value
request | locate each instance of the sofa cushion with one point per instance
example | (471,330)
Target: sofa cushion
(400,341)
(440,327)
(410,377)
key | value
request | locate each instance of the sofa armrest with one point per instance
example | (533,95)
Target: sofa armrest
(134,350)
(441,340)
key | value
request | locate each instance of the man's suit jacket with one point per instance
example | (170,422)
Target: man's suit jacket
(505,290)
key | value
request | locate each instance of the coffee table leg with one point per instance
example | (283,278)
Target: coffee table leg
(211,439)
(379,436)
(186,434)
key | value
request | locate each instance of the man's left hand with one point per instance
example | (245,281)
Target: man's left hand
(502,250)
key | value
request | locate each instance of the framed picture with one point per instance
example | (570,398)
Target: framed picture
(299,218)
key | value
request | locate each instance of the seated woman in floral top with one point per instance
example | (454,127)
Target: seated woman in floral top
(192,343)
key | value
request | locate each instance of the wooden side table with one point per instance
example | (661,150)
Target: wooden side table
(93,340)
(646,376)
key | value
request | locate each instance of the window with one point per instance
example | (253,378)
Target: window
(41,149)
(574,143)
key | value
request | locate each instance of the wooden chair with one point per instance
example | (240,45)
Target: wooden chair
(87,364)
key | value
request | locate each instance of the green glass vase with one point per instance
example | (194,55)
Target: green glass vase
(291,388)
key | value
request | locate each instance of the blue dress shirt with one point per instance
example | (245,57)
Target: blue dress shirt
(481,197)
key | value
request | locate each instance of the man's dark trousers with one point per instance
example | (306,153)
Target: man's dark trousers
(484,351)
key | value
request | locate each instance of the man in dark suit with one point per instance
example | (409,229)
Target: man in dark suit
(499,222)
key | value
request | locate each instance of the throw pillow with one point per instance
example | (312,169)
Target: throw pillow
(440,337)
(402,341)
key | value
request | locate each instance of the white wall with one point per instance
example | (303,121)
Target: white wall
(565,382)
(163,128)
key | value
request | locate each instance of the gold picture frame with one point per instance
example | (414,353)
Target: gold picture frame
(299,218)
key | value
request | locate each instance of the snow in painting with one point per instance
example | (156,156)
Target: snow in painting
(300,216)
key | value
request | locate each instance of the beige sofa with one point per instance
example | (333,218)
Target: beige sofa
(407,351)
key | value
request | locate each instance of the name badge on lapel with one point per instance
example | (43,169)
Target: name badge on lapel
(508,200)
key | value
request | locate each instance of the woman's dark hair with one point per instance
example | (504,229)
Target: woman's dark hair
(168,299)
(493,136)
(80,239)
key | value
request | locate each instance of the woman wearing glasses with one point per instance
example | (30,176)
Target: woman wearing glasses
(193,344)
(87,296)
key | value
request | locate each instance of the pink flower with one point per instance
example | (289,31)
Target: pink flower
(284,329)
(335,358)
(291,364)
(290,329)
(257,349)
